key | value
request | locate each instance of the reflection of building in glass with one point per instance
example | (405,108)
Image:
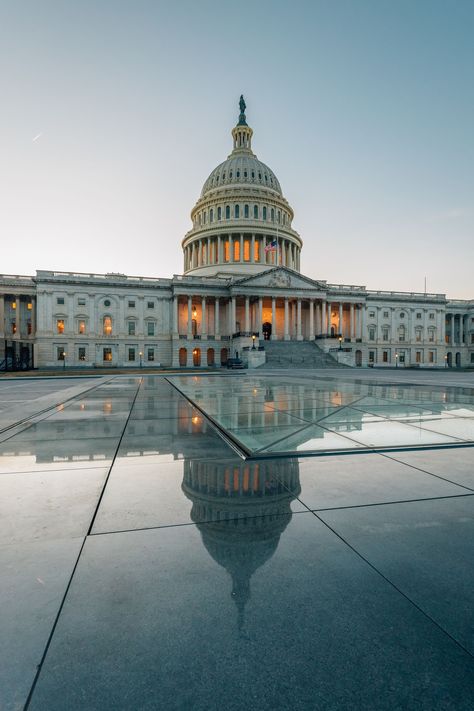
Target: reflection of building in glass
(241,510)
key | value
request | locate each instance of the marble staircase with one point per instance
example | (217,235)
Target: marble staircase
(298,354)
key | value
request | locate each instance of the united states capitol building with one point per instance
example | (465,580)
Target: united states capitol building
(241,293)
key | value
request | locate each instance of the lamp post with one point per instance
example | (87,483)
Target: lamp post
(64,360)
(445,361)
(340,343)
(141,357)
(253,341)
(396,360)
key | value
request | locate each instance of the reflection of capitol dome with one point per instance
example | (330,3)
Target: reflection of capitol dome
(240,211)
(243,509)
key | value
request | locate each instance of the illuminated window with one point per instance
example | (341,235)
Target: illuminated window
(246,250)
(107,355)
(13,327)
(236,250)
(61,353)
(226,251)
(13,304)
(29,306)
(81,353)
(60,325)
(81,326)
(256,251)
(107,327)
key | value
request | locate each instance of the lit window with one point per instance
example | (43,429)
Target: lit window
(107,326)
(81,353)
(131,354)
(29,306)
(131,328)
(13,304)
(107,355)
(61,353)
(150,328)
(246,250)
(256,252)
(81,326)
(226,251)
(59,300)
(13,327)
(60,325)
(236,250)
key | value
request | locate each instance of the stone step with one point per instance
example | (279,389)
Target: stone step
(285,354)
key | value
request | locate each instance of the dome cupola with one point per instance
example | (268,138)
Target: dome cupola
(241,222)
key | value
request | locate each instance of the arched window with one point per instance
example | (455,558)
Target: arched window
(107,326)
(255,212)
(219,213)
(196,357)
(200,219)
(237,250)
(211,215)
(264,215)
(230,174)
(272,215)
(183,357)
(238,173)
(210,356)
(236,211)
(246,210)
(227,212)
(204,218)
(224,355)
(253,175)
(278,216)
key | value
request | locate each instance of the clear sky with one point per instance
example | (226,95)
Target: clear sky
(113,113)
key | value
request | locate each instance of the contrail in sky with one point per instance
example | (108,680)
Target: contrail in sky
(36,137)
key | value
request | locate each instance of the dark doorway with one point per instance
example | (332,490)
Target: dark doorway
(358,359)
(267,330)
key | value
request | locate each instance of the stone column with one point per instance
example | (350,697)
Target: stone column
(323,317)
(216,318)
(2,316)
(260,316)
(175,316)
(362,322)
(252,250)
(311,320)
(18,317)
(351,323)
(286,334)
(299,336)
(329,317)
(203,318)
(247,314)
(241,250)
(219,249)
(208,255)
(231,249)
(232,315)
(340,319)
(190,317)
(273,318)
(461,329)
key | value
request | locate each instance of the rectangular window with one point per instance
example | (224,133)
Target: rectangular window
(107,355)
(29,306)
(432,316)
(246,250)
(81,302)
(151,354)
(418,357)
(131,304)
(60,300)
(81,353)
(131,328)
(472,357)
(60,325)
(432,356)
(418,336)
(81,326)
(371,314)
(371,334)
(150,328)
(385,356)
(385,334)
(226,251)
(385,314)
(236,250)
(150,304)
(61,353)
(13,304)
(29,328)
(131,354)
(418,315)
(431,336)
(256,251)
(371,356)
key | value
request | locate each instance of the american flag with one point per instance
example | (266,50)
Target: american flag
(272,247)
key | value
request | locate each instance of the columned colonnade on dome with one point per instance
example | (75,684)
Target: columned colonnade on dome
(291,318)
(241,248)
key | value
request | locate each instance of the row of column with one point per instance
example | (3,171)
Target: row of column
(251,250)
(15,315)
(321,320)
(451,319)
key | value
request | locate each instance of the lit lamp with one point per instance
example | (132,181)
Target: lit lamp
(64,360)
(253,341)
(445,361)
(141,356)
(340,343)
(396,360)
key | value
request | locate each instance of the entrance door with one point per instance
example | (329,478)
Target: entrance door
(267,330)
(458,360)
(358,359)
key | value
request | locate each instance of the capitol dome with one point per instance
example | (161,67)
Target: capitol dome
(242,224)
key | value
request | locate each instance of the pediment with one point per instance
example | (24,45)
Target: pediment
(281,278)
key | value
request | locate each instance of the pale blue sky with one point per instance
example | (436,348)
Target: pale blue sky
(364,110)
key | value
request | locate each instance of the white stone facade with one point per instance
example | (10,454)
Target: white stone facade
(232,288)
